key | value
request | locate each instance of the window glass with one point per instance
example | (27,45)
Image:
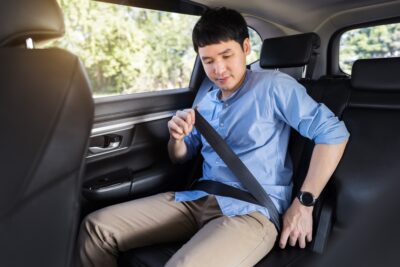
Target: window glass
(256,43)
(129,50)
(370,42)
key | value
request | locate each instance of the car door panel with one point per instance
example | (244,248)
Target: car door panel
(127,156)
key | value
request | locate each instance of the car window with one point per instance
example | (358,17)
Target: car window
(129,50)
(256,43)
(369,42)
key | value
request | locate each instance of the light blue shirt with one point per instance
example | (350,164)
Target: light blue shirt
(255,122)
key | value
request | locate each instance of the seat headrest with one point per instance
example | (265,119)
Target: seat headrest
(22,19)
(376,74)
(288,51)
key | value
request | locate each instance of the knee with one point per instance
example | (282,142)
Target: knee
(88,223)
(92,225)
(86,228)
(262,225)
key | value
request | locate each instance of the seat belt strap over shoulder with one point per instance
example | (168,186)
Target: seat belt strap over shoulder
(205,87)
(237,167)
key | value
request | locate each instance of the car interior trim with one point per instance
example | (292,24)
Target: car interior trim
(129,123)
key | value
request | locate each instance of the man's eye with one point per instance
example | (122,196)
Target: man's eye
(208,62)
(227,56)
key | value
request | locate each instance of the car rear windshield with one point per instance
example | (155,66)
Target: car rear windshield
(370,42)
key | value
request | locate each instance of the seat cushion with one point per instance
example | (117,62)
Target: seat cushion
(151,256)
(158,255)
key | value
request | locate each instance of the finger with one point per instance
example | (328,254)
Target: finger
(284,237)
(174,128)
(186,113)
(292,241)
(181,124)
(309,237)
(182,114)
(182,121)
(293,238)
(302,241)
(176,136)
(193,115)
(189,116)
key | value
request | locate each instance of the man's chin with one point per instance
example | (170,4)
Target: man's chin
(225,87)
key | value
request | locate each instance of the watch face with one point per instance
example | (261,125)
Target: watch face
(307,199)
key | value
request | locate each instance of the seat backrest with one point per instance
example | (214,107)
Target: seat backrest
(46,114)
(370,163)
(295,55)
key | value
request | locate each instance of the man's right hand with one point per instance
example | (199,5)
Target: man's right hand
(181,124)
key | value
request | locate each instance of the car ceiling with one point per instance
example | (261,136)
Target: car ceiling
(302,16)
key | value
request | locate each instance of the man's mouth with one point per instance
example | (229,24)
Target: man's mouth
(223,79)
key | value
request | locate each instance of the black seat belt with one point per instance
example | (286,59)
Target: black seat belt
(238,168)
(221,189)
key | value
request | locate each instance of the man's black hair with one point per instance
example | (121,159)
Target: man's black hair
(219,25)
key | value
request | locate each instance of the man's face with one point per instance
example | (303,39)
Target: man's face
(225,64)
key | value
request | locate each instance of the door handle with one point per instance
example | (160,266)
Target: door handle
(113,143)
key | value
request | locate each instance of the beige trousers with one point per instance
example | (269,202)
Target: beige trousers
(214,239)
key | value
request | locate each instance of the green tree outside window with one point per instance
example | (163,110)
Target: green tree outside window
(371,42)
(131,50)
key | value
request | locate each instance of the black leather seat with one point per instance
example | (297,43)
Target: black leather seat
(291,54)
(46,113)
(370,164)
(369,104)
(363,187)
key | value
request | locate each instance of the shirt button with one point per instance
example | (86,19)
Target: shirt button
(221,124)
(225,105)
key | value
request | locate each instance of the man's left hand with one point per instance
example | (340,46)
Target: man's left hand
(297,225)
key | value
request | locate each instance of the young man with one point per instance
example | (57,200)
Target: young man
(253,112)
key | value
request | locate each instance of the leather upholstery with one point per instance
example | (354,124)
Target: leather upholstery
(372,240)
(46,113)
(288,51)
(372,116)
(369,163)
(157,256)
(376,74)
(22,19)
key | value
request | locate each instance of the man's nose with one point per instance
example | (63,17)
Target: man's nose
(219,68)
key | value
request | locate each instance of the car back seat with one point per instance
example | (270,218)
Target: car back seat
(334,93)
(372,116)
(285,56)
(370,165)
(46,114)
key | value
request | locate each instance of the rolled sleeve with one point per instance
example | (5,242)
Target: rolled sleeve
(313,120)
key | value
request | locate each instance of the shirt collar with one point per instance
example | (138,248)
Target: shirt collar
(216,91)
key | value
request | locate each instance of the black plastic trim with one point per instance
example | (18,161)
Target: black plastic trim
(124,106)
(177,6)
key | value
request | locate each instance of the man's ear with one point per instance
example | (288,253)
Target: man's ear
(246,46)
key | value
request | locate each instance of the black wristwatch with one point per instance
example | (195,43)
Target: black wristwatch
(306,198)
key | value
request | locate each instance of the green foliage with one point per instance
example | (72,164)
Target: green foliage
(127,50)
(372,42)
(130,50)
(256,43)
